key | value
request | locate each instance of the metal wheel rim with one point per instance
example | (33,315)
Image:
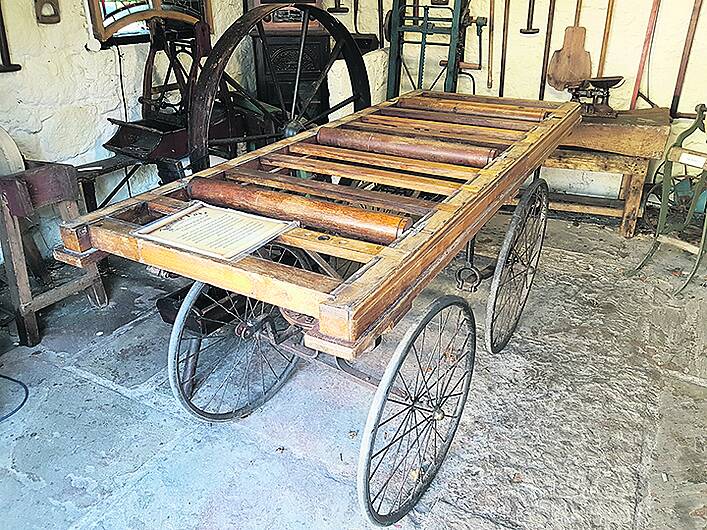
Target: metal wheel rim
(533,203)
(211,76)
(381,399)
(176,361)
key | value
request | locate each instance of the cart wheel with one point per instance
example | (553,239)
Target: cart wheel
(224,355)
(516,266)
(416,410)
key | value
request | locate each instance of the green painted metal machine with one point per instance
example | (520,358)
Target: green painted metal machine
(685,192)
(413,28)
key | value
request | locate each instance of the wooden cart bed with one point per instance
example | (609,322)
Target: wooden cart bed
(448,204)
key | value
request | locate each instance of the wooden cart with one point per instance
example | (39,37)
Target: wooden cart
(386,198)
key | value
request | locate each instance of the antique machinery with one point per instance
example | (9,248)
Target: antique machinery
(412,25)
(593,94)
(683,193)
(295,110)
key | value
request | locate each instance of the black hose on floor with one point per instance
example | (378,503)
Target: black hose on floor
(24,400)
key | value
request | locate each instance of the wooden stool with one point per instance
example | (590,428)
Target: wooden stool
(22,193)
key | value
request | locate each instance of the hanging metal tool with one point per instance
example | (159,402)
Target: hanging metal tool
(689,40)
(6,64)
(504,48)
(605,39)
(546,53)
(338,9)
(492,17)
(529,29)
(435,20)
(650,31)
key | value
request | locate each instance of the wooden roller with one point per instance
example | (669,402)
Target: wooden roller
(369,225)
(388,144)
(477,109)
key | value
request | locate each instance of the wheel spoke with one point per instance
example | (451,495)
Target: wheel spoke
(322,76)
(271,67)
(300,58)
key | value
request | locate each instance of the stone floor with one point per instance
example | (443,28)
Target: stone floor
(594,417)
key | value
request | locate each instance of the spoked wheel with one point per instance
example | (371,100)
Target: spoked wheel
(217,91)
(173,63)
(516,266)
(225,354)
(416,410)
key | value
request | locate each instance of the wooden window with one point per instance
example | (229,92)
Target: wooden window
(124,18)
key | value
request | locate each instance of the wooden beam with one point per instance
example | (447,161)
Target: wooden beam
(439,169)
(349,194)
(274,283)
(379,176)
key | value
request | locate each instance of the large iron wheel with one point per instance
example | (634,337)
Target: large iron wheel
(177,50)
(217,89)
(416,410)
(516,266)
(225,353)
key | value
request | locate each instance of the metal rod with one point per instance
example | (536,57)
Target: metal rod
(650,31)
(546,52)
(300,57)
(529,29)
(492,16)
(271,68)
(504,48)
(605,39)
(689,40)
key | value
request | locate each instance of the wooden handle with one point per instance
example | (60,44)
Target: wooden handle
(369,225)
(577,12)
(605,39)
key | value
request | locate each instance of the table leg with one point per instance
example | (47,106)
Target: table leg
(633,193)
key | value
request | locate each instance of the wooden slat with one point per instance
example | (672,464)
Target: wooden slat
(471,132)
(461,119)
(412,132)
(379,176)
(328,190)
(271,282)
(439,169)
(357,309)
(500,110)
(340,247)
(532,103)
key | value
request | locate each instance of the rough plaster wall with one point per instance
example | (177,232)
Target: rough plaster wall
(56,107)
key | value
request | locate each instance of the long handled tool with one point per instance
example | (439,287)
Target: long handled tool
(548,41)
(492,18)
(650,31)
(571,64)
(529,29)
(689,40)
(605,39)
(504,48)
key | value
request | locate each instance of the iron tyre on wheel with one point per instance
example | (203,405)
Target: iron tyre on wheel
(416,410)
(516,266)
(225,358)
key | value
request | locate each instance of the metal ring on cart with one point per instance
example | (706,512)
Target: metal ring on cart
(516,266)
(225,355)
(416,410)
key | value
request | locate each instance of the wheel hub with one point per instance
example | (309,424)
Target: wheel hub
(294,127)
